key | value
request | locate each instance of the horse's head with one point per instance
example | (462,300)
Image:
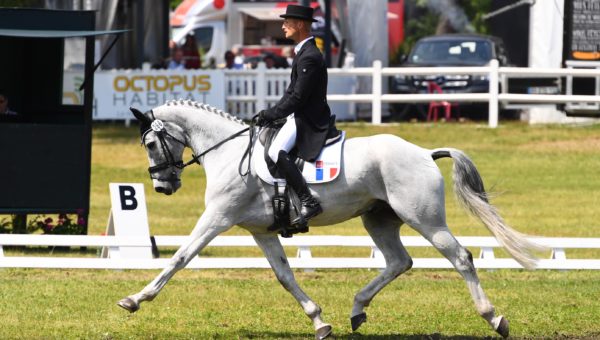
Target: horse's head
(164,143)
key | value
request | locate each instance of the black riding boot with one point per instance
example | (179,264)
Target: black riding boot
(293,176)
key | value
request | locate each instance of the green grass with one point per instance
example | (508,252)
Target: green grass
(546,183)
(250,304)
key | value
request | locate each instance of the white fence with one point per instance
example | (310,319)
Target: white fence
(248,91)
(304,257)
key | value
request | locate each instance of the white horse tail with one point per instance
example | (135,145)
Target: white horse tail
(469,190)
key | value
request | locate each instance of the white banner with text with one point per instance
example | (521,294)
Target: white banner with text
(118,90)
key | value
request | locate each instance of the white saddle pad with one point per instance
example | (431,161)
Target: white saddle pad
(325,169)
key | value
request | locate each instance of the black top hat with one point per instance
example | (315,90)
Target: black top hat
(299,12)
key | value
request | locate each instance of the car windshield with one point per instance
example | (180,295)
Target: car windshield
(462,52)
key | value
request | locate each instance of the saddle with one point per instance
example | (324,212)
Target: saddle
(325,169)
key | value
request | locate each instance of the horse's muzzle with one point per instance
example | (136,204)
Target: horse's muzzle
(167,187)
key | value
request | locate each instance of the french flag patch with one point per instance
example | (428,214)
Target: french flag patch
(332,172)
(319,170)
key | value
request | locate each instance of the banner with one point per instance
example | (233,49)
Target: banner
(116,91)
(584,29)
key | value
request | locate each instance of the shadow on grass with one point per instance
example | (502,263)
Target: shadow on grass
(288,335)
(434,336)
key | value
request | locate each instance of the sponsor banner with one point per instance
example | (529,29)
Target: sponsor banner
(116,91)
(584,32)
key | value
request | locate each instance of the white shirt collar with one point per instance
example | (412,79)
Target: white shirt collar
(300,44)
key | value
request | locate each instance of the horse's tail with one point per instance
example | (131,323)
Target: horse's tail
(469,190)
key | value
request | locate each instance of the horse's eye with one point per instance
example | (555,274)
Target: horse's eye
(151,145)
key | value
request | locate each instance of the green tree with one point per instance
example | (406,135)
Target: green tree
(174,3)
(421,21)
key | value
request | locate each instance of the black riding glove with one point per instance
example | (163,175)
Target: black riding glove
(259,119)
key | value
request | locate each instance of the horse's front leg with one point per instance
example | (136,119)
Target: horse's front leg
(271,247)
(207,228)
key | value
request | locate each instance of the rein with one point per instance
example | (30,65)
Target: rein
(159,128)
(249,149)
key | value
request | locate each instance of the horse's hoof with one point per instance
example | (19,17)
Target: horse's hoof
(358,320)
(129,305)
(323,332)
(503,327)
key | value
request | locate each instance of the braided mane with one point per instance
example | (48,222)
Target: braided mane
(205,107)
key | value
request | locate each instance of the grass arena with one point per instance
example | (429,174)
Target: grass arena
(545,181)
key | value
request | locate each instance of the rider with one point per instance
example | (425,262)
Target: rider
(304,105)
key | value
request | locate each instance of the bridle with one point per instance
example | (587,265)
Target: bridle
(158,127)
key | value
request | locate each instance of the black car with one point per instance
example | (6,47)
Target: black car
(448,50)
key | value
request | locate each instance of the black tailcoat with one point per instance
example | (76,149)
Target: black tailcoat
(306,97)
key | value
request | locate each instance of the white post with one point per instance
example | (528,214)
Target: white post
(558,254)
(304,253)
(493,104)
(487,253)
(261,87)
(376,106)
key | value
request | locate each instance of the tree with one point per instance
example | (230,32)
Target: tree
(429,17)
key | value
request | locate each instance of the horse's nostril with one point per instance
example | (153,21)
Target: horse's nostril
(159,189)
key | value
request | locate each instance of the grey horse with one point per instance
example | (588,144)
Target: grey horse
(384,179)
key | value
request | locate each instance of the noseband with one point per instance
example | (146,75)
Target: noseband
(158,127)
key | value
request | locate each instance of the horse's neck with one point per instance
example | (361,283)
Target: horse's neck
(203,128)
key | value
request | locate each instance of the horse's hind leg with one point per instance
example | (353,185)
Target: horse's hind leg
(271,247)
(383,225)
(443,240)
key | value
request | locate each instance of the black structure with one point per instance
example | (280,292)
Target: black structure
(513,28)
(45,150)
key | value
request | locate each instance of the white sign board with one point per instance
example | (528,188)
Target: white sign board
(118,90)
(129,219)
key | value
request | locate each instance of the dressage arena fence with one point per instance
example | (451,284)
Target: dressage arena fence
(303,260)
(247,91)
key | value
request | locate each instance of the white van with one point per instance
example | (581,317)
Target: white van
(218,25)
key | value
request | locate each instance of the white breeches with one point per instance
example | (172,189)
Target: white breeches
(285,139)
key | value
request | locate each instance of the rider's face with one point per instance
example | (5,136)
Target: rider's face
(291,28)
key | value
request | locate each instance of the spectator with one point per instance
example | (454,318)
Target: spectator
(287,53)
(275,61)
(229,60)
(238,61)
(161,64)
(212,63)
(191,56)
(4,109)
(177,62)
(269,60)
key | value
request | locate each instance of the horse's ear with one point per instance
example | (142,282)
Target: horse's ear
(140,116)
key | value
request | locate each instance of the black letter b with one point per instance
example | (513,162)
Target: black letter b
(127,194)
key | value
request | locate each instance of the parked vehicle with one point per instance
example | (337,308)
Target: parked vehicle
(447,50)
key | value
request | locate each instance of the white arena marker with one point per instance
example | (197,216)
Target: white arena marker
(128,219)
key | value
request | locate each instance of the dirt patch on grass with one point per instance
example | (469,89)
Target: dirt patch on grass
(589,144)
